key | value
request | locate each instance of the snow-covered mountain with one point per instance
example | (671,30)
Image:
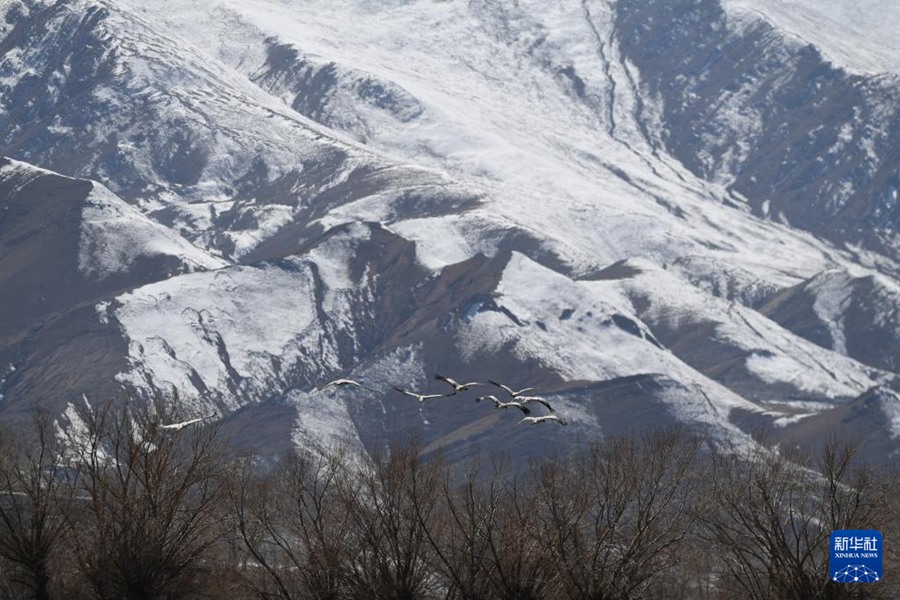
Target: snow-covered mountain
(650,210)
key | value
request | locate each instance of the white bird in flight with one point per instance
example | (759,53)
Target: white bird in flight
(343,382)
(183,424)
(500,404)
(421,397)
(539,400)
(536,420)
(457,387)
(512,393)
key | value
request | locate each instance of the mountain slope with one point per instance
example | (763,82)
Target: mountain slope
(180,136)
(803,140)
(391,190)
(66,247)
(854,315)
(67,242)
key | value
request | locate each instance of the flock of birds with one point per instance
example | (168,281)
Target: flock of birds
(517,398)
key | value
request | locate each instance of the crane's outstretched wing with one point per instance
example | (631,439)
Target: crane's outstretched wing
(513,393)
(344,382)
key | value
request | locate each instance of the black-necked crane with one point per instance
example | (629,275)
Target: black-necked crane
(538,399)
(499,404)
(512,393)
(457,387)
(183,424)
(421,397)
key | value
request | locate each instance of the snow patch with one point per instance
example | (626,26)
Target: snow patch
(206,333)
(114,235)
(890,405)
(859,35)
(439,241)
(323,422)
(782,368)
(832,291)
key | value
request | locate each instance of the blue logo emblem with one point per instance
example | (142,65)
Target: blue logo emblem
(856,556)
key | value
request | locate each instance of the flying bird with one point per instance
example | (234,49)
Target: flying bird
(457,387)
(510,391)
(343,382)
(183,424)
(500,404)
(421,397)
(539,400)
(536,420)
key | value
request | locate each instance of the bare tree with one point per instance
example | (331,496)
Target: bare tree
(889,481)
(519,567)
(392,504)
(476,529)
(152,498)
(460,536)
(36,487)
(610,523)
(291,526)
(770,515)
